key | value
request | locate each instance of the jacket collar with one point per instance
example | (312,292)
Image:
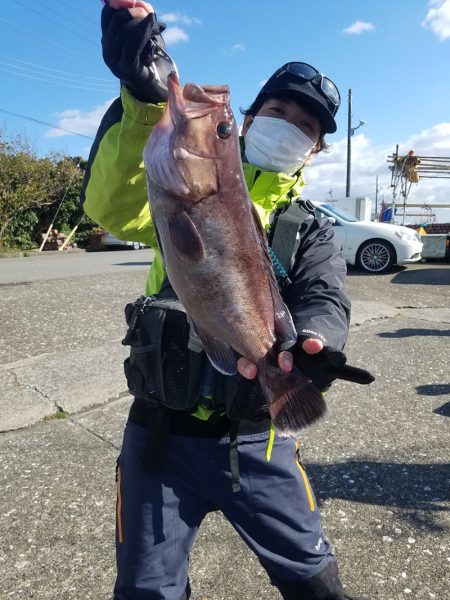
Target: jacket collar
(270,189)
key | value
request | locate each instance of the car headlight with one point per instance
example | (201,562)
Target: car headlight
(407,236)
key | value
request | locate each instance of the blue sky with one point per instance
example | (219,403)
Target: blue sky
(392,54)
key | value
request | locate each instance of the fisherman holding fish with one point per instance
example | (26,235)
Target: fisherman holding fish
(232,344)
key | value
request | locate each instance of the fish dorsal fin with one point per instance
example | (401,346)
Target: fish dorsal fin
(285,331)
(185,237)
(265,250)
(222,356)
(284,326)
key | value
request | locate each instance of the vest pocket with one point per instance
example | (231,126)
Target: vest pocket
(309,493)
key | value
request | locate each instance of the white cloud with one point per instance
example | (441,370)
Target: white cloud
(234,49)
(358,28)
(177,17)
(436,139)
(173,35)
(78,121)
(438,18)
(328,170)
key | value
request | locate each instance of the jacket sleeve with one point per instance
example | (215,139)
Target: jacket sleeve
(114,191)
(317,298)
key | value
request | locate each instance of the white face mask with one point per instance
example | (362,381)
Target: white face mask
(276,145)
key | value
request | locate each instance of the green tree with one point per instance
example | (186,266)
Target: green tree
(29,183)
(66,211)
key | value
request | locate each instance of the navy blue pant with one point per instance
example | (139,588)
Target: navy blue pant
(158,514)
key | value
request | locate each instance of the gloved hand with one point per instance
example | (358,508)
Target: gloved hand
(134,50)
(327,365)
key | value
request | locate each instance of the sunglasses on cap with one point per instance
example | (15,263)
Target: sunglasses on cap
(309,73)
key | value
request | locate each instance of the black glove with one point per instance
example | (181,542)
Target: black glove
(136,53)
(327,365)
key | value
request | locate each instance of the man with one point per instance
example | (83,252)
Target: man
(177,465)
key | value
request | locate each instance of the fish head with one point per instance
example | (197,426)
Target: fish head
(192,146)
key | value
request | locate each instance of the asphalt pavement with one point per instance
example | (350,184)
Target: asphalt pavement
(378,461)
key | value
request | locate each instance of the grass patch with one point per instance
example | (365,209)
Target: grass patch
(59,414)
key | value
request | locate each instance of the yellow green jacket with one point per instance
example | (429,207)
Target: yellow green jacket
(114,191)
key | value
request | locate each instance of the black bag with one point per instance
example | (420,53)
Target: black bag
(168,367)
(163,366)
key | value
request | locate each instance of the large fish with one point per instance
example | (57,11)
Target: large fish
(215,251)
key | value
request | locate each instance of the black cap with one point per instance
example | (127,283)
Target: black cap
(308,93)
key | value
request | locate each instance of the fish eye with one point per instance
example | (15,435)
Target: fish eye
(224,129)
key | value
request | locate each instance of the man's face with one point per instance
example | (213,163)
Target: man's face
(290,111)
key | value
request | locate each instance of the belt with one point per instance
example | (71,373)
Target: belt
(183,423)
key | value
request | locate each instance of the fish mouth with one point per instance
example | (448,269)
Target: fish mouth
(193,98)
(193,102)
(184,153)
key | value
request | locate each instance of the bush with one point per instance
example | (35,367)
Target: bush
(36,192)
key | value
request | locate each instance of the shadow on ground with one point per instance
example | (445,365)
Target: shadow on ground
(412,332)
(436,276)
(137,263)
(419,491)
(353,271)
(433,389)
(443,410)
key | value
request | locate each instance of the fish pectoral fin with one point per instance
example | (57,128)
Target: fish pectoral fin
(285,331)
(263,242)
(278,303)
(222,356)
(185,238)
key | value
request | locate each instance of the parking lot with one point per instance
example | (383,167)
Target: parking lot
(379,460)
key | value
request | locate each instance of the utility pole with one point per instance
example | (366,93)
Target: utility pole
(349,143)
(350,131)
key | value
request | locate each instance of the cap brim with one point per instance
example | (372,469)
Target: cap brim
(306,93)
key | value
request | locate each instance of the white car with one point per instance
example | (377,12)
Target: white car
(372,246)
(111,241)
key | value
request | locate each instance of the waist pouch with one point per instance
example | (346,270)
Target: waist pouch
(168,367)
(161,368)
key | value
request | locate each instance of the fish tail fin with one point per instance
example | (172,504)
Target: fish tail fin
(292,399)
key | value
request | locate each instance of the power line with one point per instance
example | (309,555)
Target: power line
(47,18)
(29,35)
(10,112)
(26,62)
(68,5)
(19,70)
(78,87)
(52,9)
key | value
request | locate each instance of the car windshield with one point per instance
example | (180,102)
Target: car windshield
(331,211)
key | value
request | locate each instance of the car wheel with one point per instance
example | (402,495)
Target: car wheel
(136,245)
(375,256)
